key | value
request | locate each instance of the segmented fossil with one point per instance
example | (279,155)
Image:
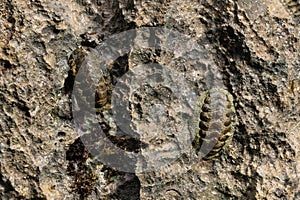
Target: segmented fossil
(102,92)
(216,122)
(76,59)
(294,86)
(102,89)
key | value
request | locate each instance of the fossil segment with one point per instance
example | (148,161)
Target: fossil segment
(103,88)
(216,122)
(294,86)
(102,92)
(76,59)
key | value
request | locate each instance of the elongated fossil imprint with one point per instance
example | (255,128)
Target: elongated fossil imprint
(216,122)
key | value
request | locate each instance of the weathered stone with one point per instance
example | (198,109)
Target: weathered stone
(255,48)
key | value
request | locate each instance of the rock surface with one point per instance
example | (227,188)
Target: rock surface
(254,46)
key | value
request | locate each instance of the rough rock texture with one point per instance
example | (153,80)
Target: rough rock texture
(255,46)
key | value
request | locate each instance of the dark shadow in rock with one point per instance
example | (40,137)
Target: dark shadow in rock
(129,190)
